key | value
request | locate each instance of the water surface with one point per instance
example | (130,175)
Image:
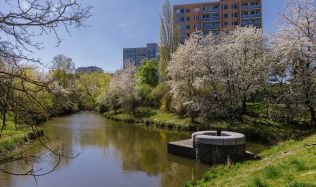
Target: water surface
(111,154)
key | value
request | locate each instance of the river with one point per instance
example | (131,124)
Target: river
(111,154)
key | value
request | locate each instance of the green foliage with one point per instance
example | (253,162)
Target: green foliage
(146,96)
(63,71)
(148,72)
(75,107)
(13,137)
(163,97)
(144,112)
(90,87)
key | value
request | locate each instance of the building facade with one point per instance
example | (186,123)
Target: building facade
(217,16)
(134,56)
(90,69)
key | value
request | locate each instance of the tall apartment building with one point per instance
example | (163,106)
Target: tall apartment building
(217,16)
(134,56)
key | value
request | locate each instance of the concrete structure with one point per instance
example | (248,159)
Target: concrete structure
(212,148)
(134,56)
(90,69)
(183,148)
(217,16)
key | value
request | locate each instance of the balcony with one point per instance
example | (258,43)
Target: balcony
(250,7)
(212,18)
(215,17)
(210,10)
(215,27)
(248,16)
(249,23)
(211,27)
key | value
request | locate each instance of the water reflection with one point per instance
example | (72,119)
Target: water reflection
(112,154)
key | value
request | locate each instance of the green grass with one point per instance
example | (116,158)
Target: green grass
(153,117)
(256,128)
(290,164)
(12,137)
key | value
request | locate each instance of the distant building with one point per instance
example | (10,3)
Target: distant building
(217,16)
(134,56)
(90,69)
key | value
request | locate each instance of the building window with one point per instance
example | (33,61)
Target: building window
(254,12)
(196,10)
(196,18)
(187,18)
(234,6)
(225,24)
(225,7)
(235,15)
(188,27)
(206,16)
(181,19)
(235,23)
(182,11)
(182,27)
(187,10)
(252,3)
(225,15)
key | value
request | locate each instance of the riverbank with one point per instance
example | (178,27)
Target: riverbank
(15,136)
(291,163)
(255,128)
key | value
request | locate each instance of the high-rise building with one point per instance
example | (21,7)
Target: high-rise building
(90,69)
(217,16)
(134,56)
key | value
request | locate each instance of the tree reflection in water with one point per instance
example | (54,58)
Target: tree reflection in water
(134,152)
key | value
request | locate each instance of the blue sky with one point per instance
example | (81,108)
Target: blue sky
(118,24)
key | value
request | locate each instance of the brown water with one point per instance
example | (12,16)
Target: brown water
(111,154)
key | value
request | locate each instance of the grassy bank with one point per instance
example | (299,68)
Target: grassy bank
(12,137)
(258,129)
(291,163)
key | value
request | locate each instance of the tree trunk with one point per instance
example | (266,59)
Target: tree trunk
(244,105)
(192,119)
(3,122)
(313,116)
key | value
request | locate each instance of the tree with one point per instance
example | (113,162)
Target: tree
(27,20)
(169,36)
(63,70)
(243,66)
(215,75)
(20,28)
(184,72)
(295,47)
(90,87)
(148,72)
(122,91)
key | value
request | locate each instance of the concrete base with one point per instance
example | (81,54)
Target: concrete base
(182,148)
(214,154)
